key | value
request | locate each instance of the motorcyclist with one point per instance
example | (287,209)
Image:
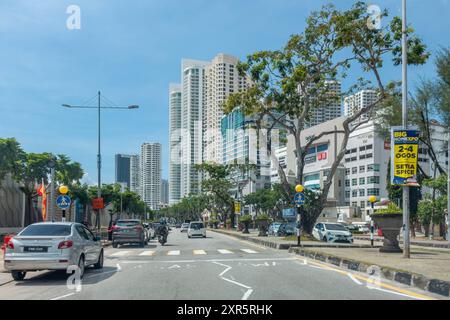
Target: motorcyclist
(163,229)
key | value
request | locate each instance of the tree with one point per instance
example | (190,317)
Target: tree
(11,157)
(287,85)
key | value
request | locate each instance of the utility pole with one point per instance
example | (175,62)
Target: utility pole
(448,187)
(52,164)
(406,249)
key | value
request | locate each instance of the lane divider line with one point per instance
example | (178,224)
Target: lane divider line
(64,296)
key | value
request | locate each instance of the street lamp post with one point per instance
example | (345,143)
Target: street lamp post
(372,200)
(406,249)
(52,164)
(99,157)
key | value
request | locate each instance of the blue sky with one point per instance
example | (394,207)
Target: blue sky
(131,50)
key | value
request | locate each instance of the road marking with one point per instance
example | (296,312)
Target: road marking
(174,266)
(173,253)
(147,253)
(119,268)
(197,252)
(354,279)
(228,268)
(208,260)
(249,251)
(120,254)
(247,294)
(396,290)
(224,251)
(64,296)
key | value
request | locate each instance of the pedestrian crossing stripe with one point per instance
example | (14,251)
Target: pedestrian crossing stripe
(147,253)
(224,251)
(249,251)
(173,253)
(196,252)
(120,253)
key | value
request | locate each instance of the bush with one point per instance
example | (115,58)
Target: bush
(245,218)
(391,209)
(262,217)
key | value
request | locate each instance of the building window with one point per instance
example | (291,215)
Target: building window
(369,155)
(373,192)
(369,147)
(362,192)
(362,181)
(347,182)
(347,171)
(362,204)
(354,204)
(374,179)
(347,194)
(362,169)
(354,193)
(354,170)
(354,182)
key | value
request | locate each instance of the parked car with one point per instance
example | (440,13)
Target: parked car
(196,229)
(184,227)
(128,231)
(273,228)
(52,246)
(332,232)
(287,229)
(178,225)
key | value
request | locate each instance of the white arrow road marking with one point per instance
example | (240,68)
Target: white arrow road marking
(119,268)
(265,264)
(224,251)
(174,266)
(120,254)
(197,252)
(147,253)
(173,253)
(228,268)
(249,251)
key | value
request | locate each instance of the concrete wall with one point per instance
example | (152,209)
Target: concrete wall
(11,204)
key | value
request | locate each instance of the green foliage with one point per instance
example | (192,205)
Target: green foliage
(245,218)
(391,209)
(262,217)
(11,157)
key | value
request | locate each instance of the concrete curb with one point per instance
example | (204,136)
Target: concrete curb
(418,281)
(287,246)
(413,243)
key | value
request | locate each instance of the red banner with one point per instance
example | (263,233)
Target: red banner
(97,203)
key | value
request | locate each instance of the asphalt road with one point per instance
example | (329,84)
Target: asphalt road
(218,267)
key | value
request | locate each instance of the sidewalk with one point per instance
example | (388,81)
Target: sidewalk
(419,241)
(428,268)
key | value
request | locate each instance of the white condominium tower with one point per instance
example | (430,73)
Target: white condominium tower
(359,100)
(151,174)
(332,109)
(222,79)
(192,104)
(175,143)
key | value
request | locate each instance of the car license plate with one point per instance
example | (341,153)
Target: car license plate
(35,249)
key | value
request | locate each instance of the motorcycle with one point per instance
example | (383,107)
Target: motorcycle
(162,239)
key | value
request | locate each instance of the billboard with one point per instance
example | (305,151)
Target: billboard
(288,213)
(404,154)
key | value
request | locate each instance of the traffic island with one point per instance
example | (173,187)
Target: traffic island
(425,270)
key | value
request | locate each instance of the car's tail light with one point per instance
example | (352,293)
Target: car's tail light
(115,228)
(10,244)
(65,244)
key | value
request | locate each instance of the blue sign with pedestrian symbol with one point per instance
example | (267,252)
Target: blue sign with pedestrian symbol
(63,202)
(299,198)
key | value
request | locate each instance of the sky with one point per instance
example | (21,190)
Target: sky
(131,50)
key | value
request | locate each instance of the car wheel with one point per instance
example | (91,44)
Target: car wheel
(81,266)
(18,275)
(114,244)
(99,263)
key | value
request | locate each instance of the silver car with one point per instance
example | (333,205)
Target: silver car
(332,232)
(52,246)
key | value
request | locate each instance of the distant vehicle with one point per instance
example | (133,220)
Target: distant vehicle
(128,231)
(52,246)
(287,229)
(150,231)
(184,227)
(273,228)
(178,225)
(332,232)
(196,229)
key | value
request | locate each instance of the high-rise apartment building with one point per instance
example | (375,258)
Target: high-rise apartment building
(359,100)
(222,79)
(135,173)
(192,105)
(175,135)
(164,192)
(151,174)
(122,166)
(331,109)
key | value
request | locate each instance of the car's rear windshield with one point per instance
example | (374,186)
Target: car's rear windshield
(46,230)
(185,224)
(127,223)
(196,225)
(338,227)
